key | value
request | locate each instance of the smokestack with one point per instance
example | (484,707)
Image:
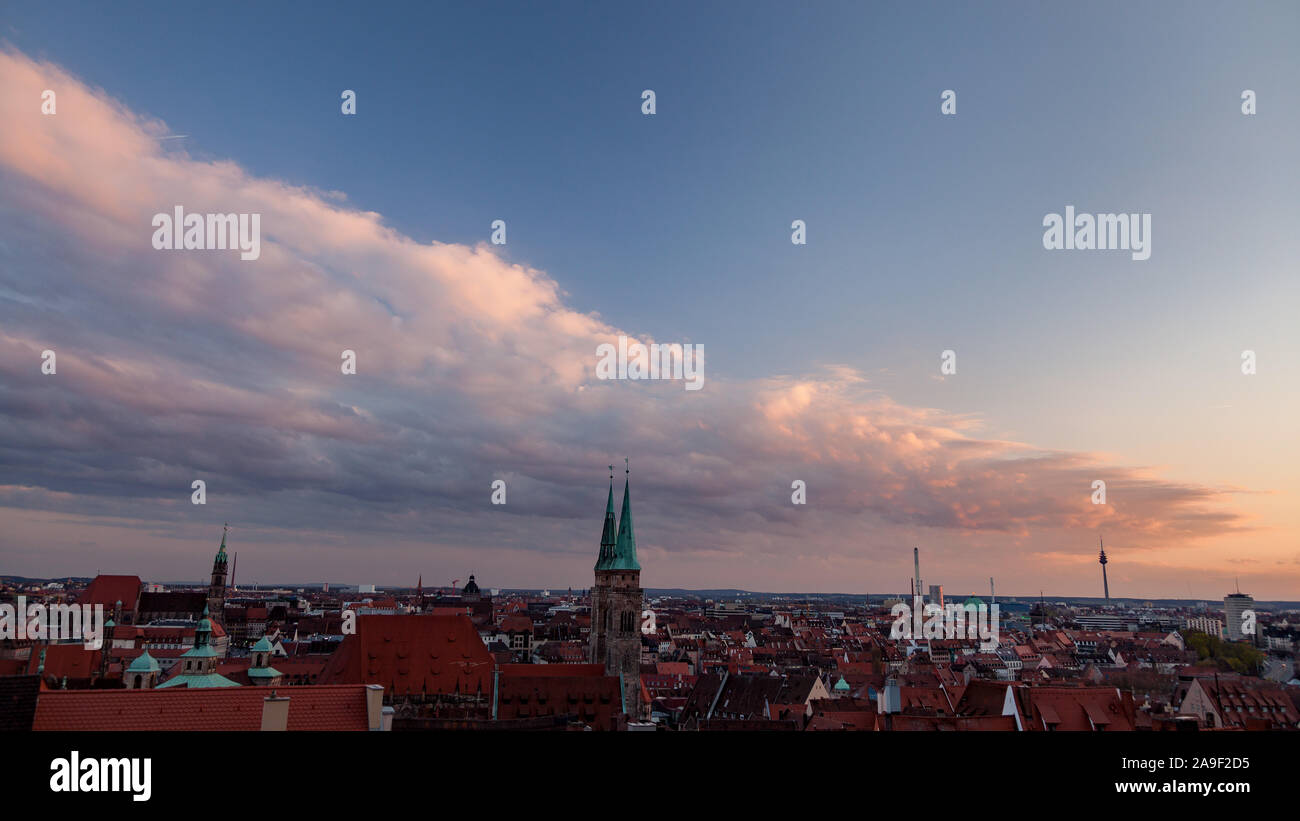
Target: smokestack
(992,595)
(916,557)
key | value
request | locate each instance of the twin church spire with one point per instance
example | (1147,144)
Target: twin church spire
(618,602)
(618,542)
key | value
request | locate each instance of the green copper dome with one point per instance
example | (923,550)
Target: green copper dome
(144,663)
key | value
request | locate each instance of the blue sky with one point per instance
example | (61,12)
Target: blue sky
(921,227)
(924,231)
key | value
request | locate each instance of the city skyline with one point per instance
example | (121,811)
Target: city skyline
(366,588)
(476,362)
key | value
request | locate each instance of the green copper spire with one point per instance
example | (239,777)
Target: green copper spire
(203,633)
(625,546)
(221,552)
(608,536)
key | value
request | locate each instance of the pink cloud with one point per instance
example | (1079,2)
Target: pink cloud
(173,365)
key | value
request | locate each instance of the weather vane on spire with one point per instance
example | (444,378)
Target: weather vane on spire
(626,467)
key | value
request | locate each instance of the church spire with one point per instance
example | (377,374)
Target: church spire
(617,602)
(609,533)
(625,545)
(203,633)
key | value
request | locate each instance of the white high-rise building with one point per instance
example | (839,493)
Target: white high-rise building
(1234,605)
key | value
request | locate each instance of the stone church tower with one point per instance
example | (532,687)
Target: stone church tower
(217,589)
(616,603)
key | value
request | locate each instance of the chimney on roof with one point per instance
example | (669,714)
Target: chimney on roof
(375,708)
(275,712)
(890,698)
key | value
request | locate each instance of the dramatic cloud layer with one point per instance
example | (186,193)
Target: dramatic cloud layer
(174,366)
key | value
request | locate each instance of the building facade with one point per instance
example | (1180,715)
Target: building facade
(1206,625)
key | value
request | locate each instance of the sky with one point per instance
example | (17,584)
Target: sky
(477,362)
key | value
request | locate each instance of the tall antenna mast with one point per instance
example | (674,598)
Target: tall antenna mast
(916,557)
(1105,583)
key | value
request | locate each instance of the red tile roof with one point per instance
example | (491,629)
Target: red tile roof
(1241,701)
(982,698)
(842,714)
(924,700)
(315,707)
(1075,708)
(517,624)
(593,700)
(903,723)
(109,590)
(413,654)
(71,660)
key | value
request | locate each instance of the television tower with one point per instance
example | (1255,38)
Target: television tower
(916,557)
(1102,559)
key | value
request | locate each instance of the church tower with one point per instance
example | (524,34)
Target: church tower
(616,601)
(217,589)
(199,663)
(142,674)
